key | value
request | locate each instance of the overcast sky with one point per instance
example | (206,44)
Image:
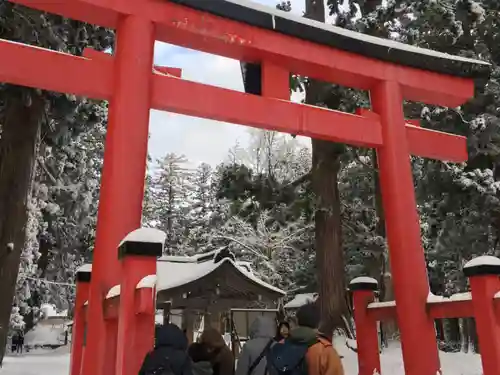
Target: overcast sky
(200,140)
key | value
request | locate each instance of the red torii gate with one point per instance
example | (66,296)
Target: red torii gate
(281,44)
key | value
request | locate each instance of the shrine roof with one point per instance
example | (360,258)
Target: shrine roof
(339,38)
(178,273)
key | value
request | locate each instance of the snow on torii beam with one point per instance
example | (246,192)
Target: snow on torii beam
(92,77)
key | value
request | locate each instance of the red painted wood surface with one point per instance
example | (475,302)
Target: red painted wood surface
(78,330)
(366,333)
(483,290)
(437,310)
(429,143)
(407,259)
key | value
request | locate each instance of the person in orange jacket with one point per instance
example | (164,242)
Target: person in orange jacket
(305,351)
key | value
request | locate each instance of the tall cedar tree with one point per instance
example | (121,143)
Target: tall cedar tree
(326,164)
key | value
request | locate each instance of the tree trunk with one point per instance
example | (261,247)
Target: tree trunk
(328,226)
(452,335)
(328,240)
(18,150)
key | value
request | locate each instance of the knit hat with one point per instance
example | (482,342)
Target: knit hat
(309,316)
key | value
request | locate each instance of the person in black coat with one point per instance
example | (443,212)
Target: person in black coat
(20,342)
(14,343)
(170,353)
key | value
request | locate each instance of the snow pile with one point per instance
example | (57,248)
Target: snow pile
(113,292)
(48,310)
(363,280)
(375,305)
(147,282)
(467,296)
(44,335)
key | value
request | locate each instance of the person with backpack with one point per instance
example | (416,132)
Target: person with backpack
(200,355)
(305,352)
(169,356)
(253,356)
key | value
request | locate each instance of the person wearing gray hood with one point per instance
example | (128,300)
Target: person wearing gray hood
(252,360)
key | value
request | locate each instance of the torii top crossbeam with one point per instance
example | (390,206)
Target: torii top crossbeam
(254,40)
(281,44)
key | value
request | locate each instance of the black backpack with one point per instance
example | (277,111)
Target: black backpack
(162,369)
(156,365)
(287,358)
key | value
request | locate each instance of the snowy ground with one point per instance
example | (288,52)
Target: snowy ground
(57,363)
(42,362)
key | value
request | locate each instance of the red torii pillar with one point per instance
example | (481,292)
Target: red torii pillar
(124,170)
(406,255)
(363,293)
(483,274)
(83,277)
(137,252)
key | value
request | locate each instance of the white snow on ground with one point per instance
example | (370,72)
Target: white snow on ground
(42,362)
(57,362)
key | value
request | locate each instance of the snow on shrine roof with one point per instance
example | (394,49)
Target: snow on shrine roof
(336,37)
(175,271)
(300,300)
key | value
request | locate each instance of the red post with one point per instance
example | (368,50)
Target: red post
(408,266)
(483,273)
(111,326)
(363,293)
(83,276)
(122,185)
(138,253)
(275,81)
(145,319)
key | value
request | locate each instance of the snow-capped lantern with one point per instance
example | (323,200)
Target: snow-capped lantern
(84,273)
(363,283)
(143,242)
(483,265)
